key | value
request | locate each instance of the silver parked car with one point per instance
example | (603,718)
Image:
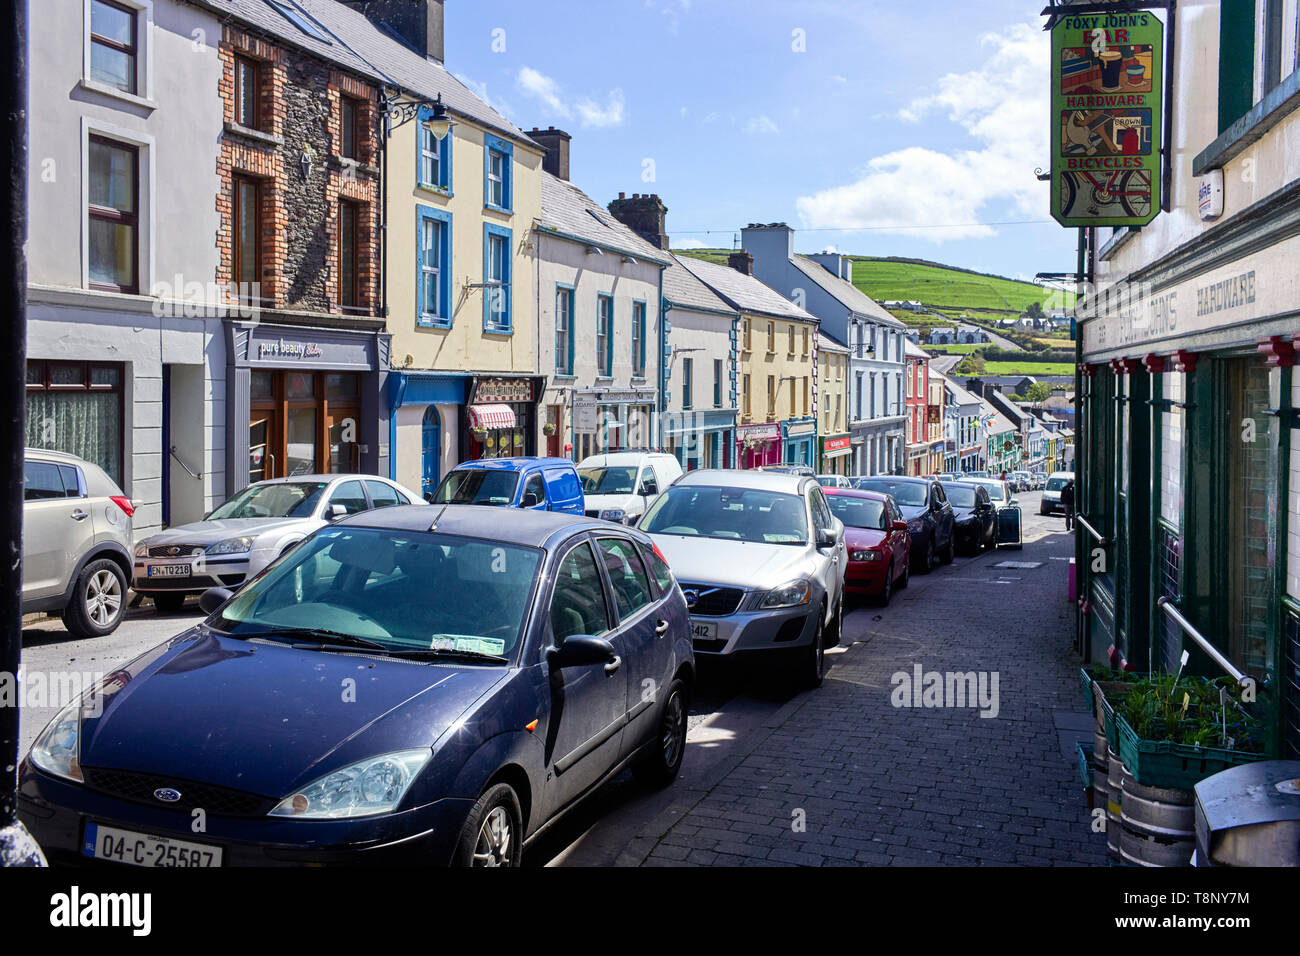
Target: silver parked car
(760,558)
(252,529)
(76,542)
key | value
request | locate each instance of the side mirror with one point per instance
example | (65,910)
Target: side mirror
(649,488)
(633,519)
(337,511)
(825,538)
(581,650)
(213,598)
(900,526)
(529,500)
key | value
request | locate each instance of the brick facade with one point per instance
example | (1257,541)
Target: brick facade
(299,118)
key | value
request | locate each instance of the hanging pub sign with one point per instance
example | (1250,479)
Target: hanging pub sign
(1106,121)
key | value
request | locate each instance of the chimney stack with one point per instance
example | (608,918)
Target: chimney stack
(418,23)
(645,215)
(742,262)
(556,143)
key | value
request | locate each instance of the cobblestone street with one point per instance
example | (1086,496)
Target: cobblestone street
(872,783)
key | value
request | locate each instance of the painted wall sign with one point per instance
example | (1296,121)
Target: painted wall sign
(1107,118)
(503,391)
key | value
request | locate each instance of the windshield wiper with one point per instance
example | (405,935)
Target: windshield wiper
(327,639)
(446,653)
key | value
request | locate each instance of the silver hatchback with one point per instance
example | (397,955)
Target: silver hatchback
(760,559)
(76,542)
(252,529)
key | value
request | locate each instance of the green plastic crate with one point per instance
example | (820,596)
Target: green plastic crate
(1085,762)
(1161,763)
(1085,682)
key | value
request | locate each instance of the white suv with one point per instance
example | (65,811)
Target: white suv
(621,486)
(76,542)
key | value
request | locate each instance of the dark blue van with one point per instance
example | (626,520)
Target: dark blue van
(543,484)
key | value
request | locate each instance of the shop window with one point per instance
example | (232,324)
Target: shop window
(114,47)
(77,408)
(113,216)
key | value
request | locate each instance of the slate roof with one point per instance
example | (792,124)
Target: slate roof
(845,292)
(827,344)
(566,209)
(910,348)
(358,45)
(683,290)
(744,292)
(960,395)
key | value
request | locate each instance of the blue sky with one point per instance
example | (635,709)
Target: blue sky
(864,124)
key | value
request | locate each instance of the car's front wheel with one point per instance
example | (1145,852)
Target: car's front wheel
(98,600)
(950,552)
(812,661)
(887,591)
(659,766)
(493,833)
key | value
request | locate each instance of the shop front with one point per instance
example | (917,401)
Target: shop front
(500,420)
(303,401)
(424,426)
(702,439)
(836,454)
(799,437)
(758,445)
(610,420)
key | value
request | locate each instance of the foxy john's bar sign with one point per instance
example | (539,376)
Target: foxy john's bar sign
(1106,118)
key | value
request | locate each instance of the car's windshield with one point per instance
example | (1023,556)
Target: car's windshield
(281,500)
(995,489)
(607,481)
(960,496)
(858,512)
(911,494)
(404,590)
(736,514)
(477,486)
(1056,484)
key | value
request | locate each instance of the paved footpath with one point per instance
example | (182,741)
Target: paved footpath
(841,776)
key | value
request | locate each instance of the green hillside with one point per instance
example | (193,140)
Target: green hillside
(950,291)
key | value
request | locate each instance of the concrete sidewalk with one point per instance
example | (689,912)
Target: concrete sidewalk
(842,776)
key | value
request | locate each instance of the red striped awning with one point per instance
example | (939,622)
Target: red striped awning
(488,417)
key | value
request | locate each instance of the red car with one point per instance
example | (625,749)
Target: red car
(876,539)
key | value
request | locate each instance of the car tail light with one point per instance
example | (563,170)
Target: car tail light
(123,502)
(658,553)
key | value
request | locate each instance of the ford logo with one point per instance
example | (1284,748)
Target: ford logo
(167,794)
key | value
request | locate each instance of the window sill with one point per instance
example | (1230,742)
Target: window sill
(1277,105)
(247,132)
(94,86)
(435,190)
(564,377)
(604,379)
(502,330)
(491,207)
(439,325)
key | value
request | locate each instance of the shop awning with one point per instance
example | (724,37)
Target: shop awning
(837,453)
(489,417)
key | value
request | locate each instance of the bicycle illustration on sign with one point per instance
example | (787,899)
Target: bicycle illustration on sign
(1084,193)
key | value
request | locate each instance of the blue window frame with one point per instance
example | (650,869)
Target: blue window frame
(688,376)
(433,268)
(605,336)
(432,156)
(564,299)
(498,177)
(498,246)
(638,339)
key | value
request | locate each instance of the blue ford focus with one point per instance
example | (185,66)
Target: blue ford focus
(413,685)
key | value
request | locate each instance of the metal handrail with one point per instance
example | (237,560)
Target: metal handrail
(1168,607)
(190,471)
(1101,538)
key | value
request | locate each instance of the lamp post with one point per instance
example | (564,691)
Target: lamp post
(17,848)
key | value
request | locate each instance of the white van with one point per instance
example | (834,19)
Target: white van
(620,486)
(1051,501)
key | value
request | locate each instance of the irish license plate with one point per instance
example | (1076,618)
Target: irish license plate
(704,630)
(145,849)
(169,570)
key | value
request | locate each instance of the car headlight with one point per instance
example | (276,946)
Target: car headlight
(362,789)
(613,514)
(865,556)
(232,546)
(788,595)
(58,748)
(142,549)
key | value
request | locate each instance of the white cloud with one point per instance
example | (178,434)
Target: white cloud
(541,87)
(688,244)
(762,125)
(673,11)
(611,114)
(1003,106)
